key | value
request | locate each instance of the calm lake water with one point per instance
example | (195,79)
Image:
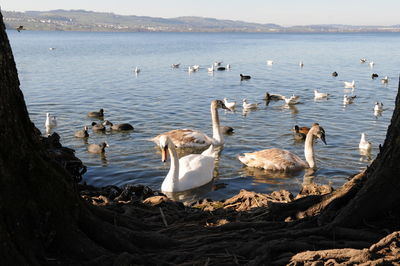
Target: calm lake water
(89,71)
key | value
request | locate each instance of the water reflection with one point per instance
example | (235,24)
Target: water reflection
(377,114)
(191,195)
(309,176)
(293,109)
(102,156)
(266,177)
(247,111)
(366,156)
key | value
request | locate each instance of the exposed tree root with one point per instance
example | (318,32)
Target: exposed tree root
(244,229)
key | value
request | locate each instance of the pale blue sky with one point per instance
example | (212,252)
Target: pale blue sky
(283,12)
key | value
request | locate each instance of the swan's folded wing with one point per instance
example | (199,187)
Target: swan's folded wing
(195,170)
(185,138)
(273,159)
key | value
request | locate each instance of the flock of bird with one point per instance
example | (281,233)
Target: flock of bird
(51,123)
(195,170)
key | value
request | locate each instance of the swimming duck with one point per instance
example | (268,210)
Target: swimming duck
(320,95)
(118,127)
(82,133)
(217,63)
(273,97)
(374,75)
(211,69)
(186,138)
(385,80)
(97,127)
(221,68)
(228,66)
(270,62)
(371,64)
(364,144)
(229,105)
(97,148)
(348,99)
(297,134)
(227,130)
(175,65)
(301,64)
(137,70)
(303,130)
(247,105)
(51,121)
(349,84)
(282,160)
(335,74)
(363,60)
(188,172)
(98,114)
(243,77)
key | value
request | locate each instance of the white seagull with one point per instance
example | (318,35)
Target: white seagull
(349,84)
(230,105)
(364,144)
(249,105)
(320,95)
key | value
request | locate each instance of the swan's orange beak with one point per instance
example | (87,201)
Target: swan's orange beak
(164,156)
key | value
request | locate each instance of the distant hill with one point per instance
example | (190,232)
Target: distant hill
(82,20)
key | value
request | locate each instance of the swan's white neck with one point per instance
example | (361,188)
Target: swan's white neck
(309,150)
(217,135)
(172,178)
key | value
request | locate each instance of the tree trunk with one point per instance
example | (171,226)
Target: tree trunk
(380,195)
(37,199)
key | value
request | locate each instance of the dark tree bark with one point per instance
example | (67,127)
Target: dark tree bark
(380,195)
(44,221)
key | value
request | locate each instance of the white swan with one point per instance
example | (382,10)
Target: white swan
(188,172)
(229,105)
(348,99)
(189,138)
(211,69)
(51,121)
(247,105)
(364,144)
(283,160)
(385,80)
(349,84)
(320,95)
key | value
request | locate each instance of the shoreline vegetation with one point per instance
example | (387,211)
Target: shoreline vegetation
(82,20)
